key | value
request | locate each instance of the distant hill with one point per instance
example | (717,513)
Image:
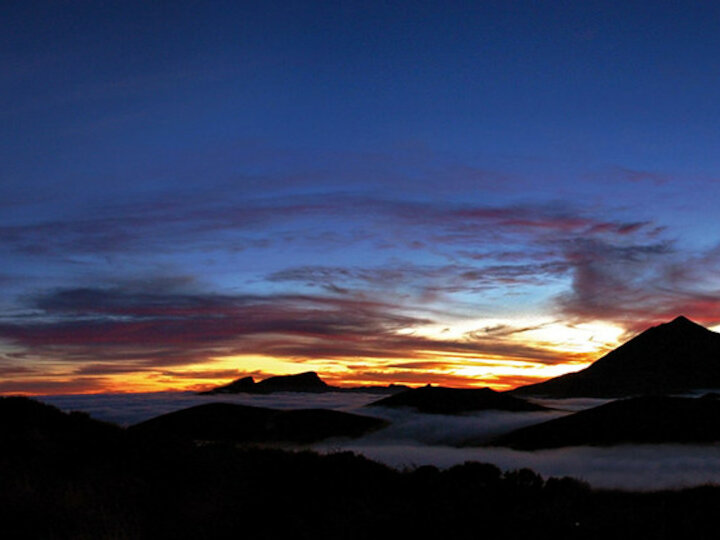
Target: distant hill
(674,357)
(300,382)
(439,400)
(640,420)
(242,423)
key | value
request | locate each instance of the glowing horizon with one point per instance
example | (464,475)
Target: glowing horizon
(380,193)
(460,370)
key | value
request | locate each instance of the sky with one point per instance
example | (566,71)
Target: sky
(458,193)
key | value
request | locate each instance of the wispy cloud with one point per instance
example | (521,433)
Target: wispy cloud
(448,257)
(105,332)
(639,284)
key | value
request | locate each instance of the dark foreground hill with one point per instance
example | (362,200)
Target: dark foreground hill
(439,400)
(301,382)
(242,423)
(88,486)
(675,357)
(29,426)
(641,420)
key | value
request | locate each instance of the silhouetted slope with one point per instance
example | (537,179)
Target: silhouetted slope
(439,400)
(28,424)
(244,384)
(301,382)
(649,419)
(242,423)
(674,357)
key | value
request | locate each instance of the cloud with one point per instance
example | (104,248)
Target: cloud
(645,468)
(128,409)
(418,439)
(40,383)
(109,331)
(236,221)
(408,426)
(639,284)
(623,271)
(634,175)
(411,278)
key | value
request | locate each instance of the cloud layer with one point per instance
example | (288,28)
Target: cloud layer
(438,267)
(416,439)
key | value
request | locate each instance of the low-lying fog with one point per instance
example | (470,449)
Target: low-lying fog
(415,439)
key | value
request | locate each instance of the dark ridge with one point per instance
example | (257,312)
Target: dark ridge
(301,382)
(245,424)
(640,420)
(28,426)
(245,384)
(439,400)
(671,358)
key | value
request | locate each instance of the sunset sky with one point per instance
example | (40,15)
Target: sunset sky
(459,193)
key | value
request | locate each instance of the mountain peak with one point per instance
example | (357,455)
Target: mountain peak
(683,326)
(682,320)
(308,377)
(674,357)
(299,382)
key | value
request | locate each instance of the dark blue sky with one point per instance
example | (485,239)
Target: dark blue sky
(443,192)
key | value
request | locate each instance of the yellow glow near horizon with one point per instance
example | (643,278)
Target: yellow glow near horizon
(580,338)
(577,346)
(542,332)
(563,348)
(512,368)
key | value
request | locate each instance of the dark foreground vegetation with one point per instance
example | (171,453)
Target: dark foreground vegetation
(68,476)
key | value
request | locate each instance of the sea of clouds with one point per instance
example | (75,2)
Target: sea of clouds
(415,439)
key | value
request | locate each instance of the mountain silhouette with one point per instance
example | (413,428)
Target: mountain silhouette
(675,357)
(639,420)
(439,400)
(246,424)
(300,382)
(27,425)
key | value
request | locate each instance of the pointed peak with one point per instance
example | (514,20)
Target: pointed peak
(683,322)
(680,325)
